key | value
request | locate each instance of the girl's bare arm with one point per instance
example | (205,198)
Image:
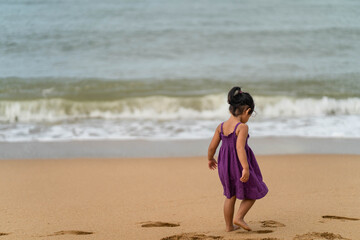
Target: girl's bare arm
(212,148)
(243,130)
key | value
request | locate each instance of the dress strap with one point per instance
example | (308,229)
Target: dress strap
(222,128)
(237,126)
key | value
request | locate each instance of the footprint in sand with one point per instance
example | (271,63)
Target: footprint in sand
(159,224)
(340,218)
(268,238)
(73,232)
(263,231)
(258,231)
(319,236)
(192,236)
(271,224)
(3,234)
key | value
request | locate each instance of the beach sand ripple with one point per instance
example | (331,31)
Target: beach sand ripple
(268,238)
(271,224)
(159,224)
(340,218)
(258,231)
(319,236)
(191,236)
(73,232)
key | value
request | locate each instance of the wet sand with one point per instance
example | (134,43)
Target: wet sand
(170,148)
(310,197)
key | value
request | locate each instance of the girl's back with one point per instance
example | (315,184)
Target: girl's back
(230,169)
(229,166)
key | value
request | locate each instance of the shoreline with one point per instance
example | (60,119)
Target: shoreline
(171,148)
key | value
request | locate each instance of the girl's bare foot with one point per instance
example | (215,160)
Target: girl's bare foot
(232,228)
(242,223)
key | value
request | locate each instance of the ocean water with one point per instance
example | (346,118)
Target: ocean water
(137,69)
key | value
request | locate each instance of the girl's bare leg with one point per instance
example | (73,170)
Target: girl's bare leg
(245,206)
(229,205)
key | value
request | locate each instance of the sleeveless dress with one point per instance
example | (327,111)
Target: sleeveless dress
(230,170)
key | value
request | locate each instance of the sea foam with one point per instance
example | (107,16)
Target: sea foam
(208,107)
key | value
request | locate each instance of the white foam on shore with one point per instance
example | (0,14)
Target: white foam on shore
(208,107)
(97,129)
(161,117)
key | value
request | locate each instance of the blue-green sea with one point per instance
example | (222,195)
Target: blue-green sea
(161,69)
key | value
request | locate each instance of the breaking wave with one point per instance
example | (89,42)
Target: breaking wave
(208,107)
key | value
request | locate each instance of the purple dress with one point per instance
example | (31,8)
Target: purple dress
(230,170)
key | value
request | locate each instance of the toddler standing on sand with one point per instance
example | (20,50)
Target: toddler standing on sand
(238,169)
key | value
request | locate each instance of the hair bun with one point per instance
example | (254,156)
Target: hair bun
(240,101)
(234,96)
(237,91)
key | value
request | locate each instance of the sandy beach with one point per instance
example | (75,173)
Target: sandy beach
(310,197)
(107,110)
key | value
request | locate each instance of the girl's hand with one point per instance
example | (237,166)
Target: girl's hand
(212,164)
(245,175)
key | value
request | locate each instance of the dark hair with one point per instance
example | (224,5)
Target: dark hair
(240,101)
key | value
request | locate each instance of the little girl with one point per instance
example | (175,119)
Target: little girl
(238,170)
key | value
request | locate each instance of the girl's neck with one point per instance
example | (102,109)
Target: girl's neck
(236,119)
